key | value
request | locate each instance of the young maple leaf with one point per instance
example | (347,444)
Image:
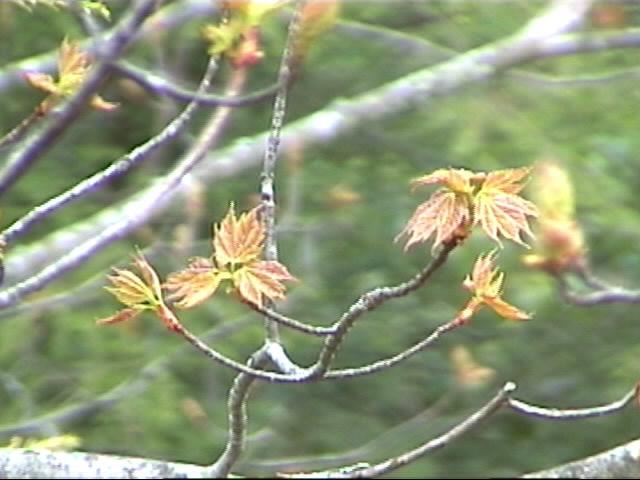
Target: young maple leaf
(498,208)
(485,283)
(73,65)
(237,244)
(446,212)
(195,284)
(238,240)
(238,36)
(138,293)
(260,280)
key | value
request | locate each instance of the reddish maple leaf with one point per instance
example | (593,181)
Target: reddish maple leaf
(238,243)
(468,199)
(446,212)
(260,280)
(138,293)
(238,240)
(73,66)
(498,208)
(485,283)
(194,284)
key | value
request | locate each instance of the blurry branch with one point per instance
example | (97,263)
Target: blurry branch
(563,45)
(161,86)
(171,16)
(381,445)
(502,399)
(320,127)
(106,401)
(81,294)
(17,133)
(599,297)
(366,471)
(20,463)
(553,81)
(140,212)
(22,159)
(114,171)
(602,292)
(547,413)
(619,462)
(16,389)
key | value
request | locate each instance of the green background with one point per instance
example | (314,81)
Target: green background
(566,356)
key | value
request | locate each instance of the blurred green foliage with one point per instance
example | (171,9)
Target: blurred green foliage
(566,356)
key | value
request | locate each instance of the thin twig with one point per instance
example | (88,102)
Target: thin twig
(395,359)
(241,368)
(267,176)
(548,413)
(161,86)
(291,322)
(599,297)
(371,300)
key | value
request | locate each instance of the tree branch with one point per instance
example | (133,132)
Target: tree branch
(370,301)
(161,86)
(23,464)
(619,462)
(267,176)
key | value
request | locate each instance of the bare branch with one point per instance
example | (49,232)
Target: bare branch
(267,176)
(605,295)
(572,414)
(396,359)
(299,377)
(502,398)
(619,462)
(291,322)
(161,86)
(23,464)
(371,300)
